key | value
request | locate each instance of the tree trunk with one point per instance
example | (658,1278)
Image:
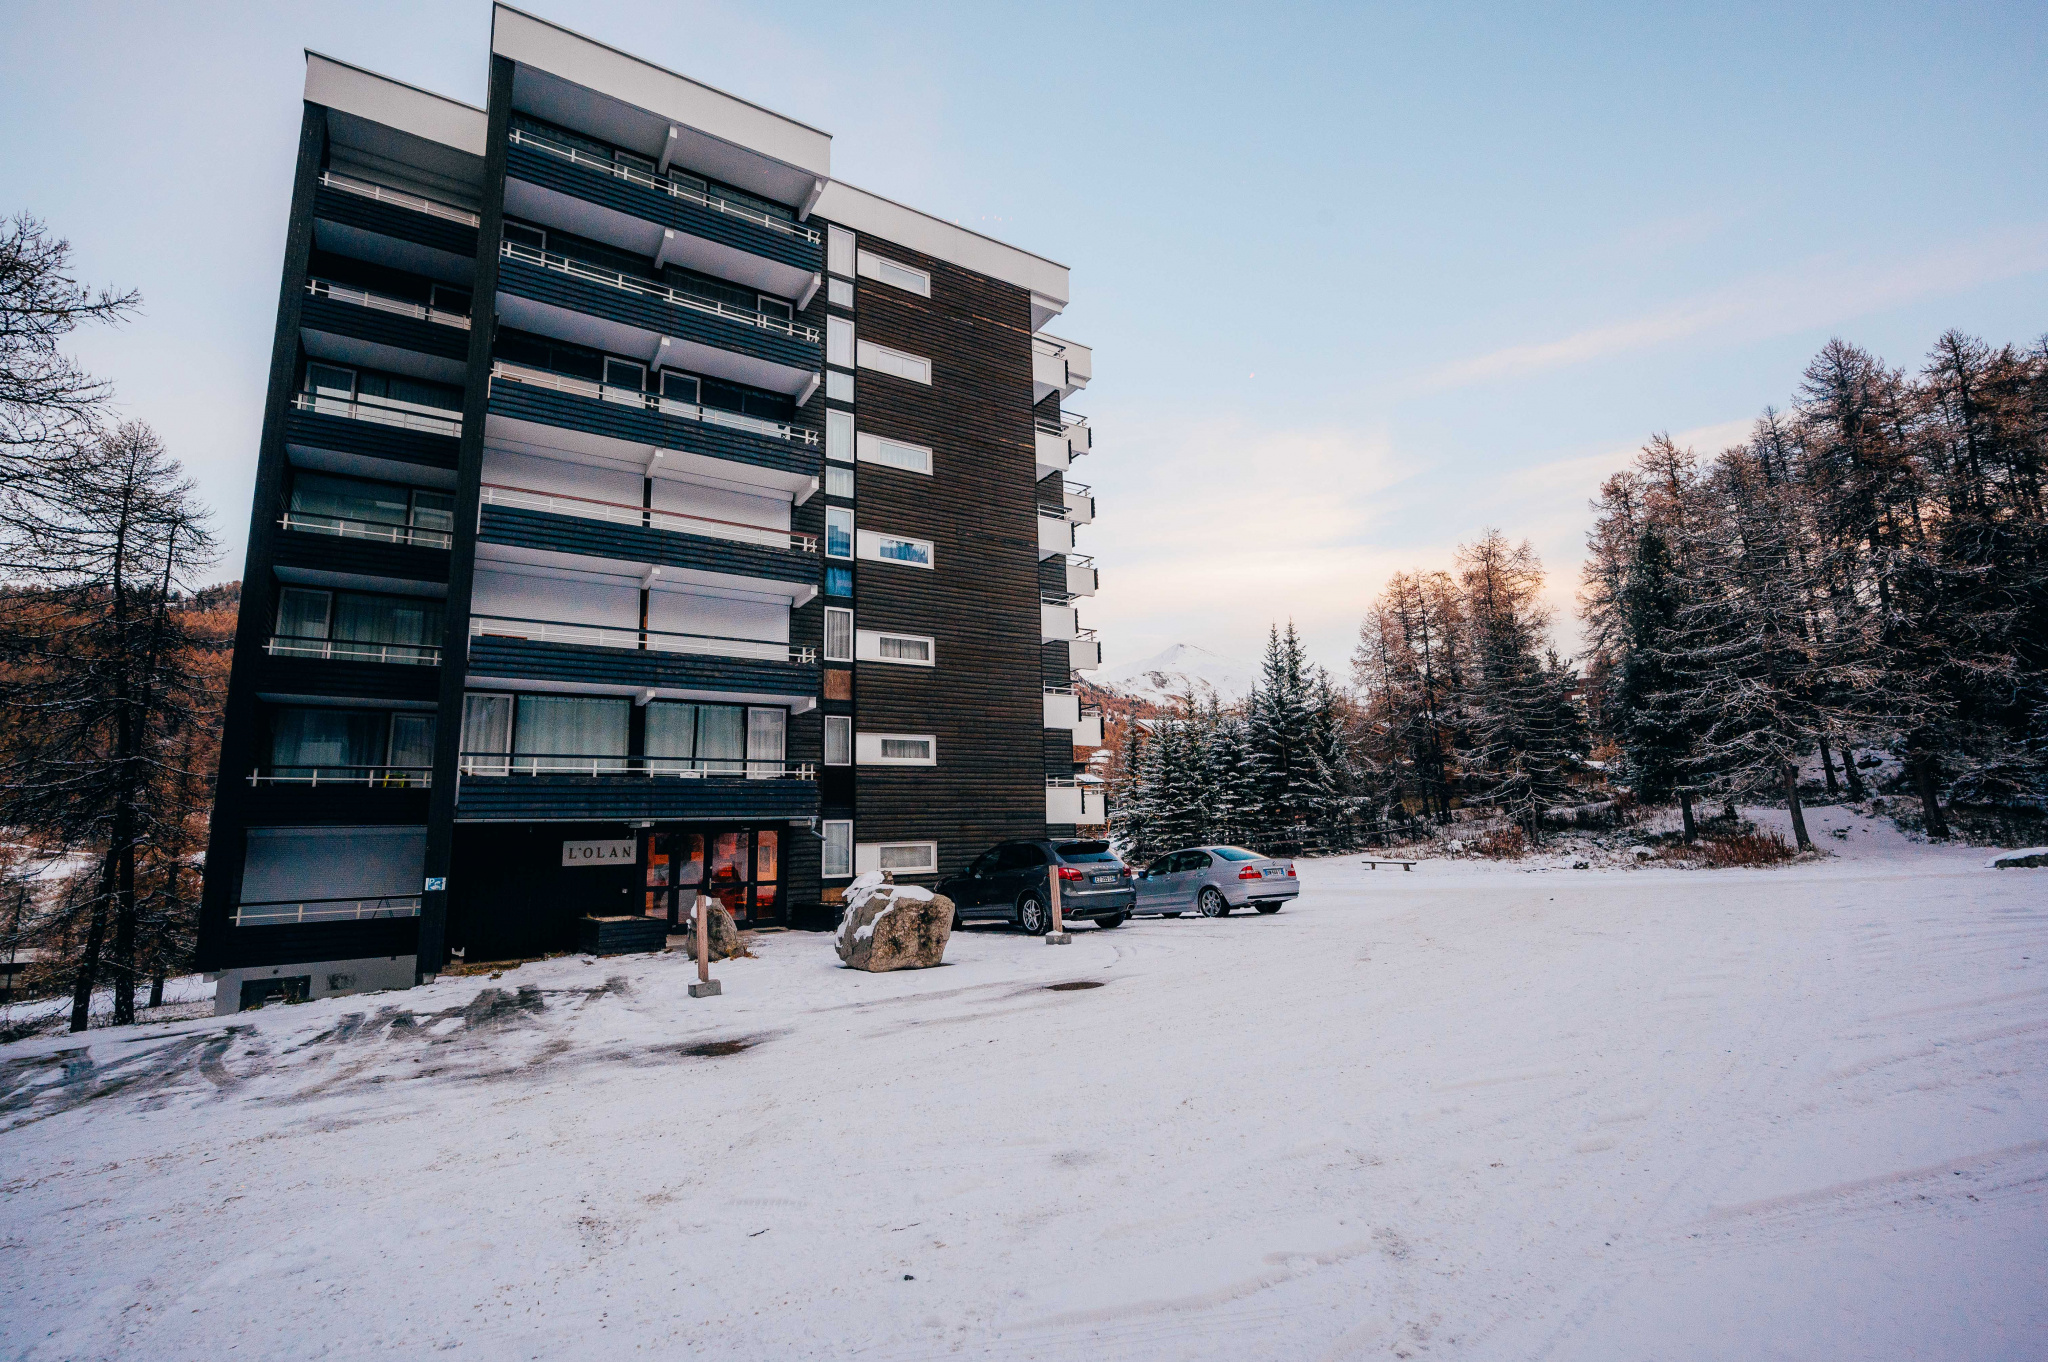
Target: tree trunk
(1827,764)
(89,959)
(1930,795)
(1728,812)
(1692,831)
(156,988)
(1856,790)
(124,914)
(1792,803)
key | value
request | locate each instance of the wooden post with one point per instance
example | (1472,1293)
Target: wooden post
(1058,935)
(706,986)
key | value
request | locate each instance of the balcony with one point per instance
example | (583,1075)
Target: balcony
(391,227)
(1057,622)
(1075,802)
(497,787)
(298,912)
(1058,366)
(624,314)
(373,330)
(504,649)
(367,429)
(1055,535)
(346,777)
(715,553)
(377,411)
(547,411)
(1060,445)
(674,223)
(369,531)
(1063,709)
(1084,651)
(345,650)
(1081,579)
(1080,500)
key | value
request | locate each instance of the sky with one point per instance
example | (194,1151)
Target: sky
(1361,281)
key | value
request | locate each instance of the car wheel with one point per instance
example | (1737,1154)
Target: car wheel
(1267,907)
(1169,915)
(1113,920)
(1212,903)
(1032,918)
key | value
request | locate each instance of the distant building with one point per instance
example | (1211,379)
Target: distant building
(639,511)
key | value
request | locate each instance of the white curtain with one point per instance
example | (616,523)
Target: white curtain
(574,730)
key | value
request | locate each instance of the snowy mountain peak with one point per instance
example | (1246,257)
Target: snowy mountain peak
(1181,669)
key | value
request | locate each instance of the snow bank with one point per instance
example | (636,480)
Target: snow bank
(2028,858)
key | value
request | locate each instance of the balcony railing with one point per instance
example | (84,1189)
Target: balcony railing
(372,530)
(345,650)
(521,137)
(381,412)
(278,913)
(375,777)
(662,293)
(667,406)
(385,194)
(650,640)
(682,768)
(382,302)
(619,513)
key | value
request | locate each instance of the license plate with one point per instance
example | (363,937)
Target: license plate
(1270,874)
(1105,879)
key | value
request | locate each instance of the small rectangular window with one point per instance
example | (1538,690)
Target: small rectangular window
(892,548)
(839,251)
(839,293)
(838,386)
(839,346)
(770,306)
(839,483)
(839,441)
(900,276)
(836,856)
(677,387)
(839,740)
(838,532)
(838,581)
(901,858)
(894,453)
(910,650)
(895,749)
(523,235)
(882,359)
(624,373)
(838,635)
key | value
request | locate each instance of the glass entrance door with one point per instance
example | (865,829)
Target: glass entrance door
(740,867)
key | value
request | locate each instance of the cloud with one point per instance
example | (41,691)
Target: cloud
(1822,291)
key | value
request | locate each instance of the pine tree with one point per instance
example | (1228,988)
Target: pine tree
(1649,721)
(1283,738)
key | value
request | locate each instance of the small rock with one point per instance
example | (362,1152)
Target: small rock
(1642,853)
(1582,865)
(724,937)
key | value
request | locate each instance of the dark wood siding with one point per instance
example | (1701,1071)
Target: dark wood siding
(980,602)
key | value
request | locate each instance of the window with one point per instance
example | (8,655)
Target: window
(412,740)
(839,251)
(838,581)
(777,308)
(839,436)
(838,532)
(524,235)
(1019,856)
(839,293)
(1236,854)
(351,626)
(839,483)
(839,347)
(624,373)
(486,731)
(892,548)
(837,854)
(916,368)
(1082,853)
(767,734)
(838,635)
(838,386)
(901,858)
(901,276)
(677,387)
(839,740)
(907,649)
(895,749)
(577,731)
(329,380)
(894,453)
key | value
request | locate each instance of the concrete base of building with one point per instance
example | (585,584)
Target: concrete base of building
(255,985)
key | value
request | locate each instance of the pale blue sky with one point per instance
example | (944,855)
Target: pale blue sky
(1360,280)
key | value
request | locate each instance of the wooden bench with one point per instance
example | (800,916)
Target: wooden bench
(1375,865)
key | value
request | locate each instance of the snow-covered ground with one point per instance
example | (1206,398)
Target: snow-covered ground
(1469,1111)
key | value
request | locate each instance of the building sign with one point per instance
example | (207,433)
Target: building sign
(437,884)
(606,852)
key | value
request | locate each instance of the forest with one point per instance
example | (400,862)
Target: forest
(1861,586)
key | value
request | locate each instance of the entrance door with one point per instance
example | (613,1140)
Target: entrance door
(740,867)
(674,868)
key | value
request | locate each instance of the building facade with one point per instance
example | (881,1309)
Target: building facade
(639,512)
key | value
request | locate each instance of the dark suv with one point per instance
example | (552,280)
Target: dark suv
(1013,882)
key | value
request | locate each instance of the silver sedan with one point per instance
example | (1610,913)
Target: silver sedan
(1213,880)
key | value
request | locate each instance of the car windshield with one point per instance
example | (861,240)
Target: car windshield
(1080,853)
(1236,854)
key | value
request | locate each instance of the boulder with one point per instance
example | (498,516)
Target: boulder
(893,926)
(722,938)
(2029,858)
(1642,853)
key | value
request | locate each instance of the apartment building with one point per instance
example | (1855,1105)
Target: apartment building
(640,511)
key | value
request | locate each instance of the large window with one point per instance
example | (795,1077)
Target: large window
(352,626)
(356,508)
(351,744)
(838,532)
(838,635)
(590,735)
(715,739)
(570,734)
